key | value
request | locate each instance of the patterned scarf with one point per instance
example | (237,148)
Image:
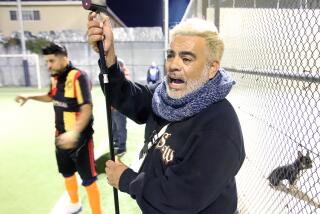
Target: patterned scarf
(211,92)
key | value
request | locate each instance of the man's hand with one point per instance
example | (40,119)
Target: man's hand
(68,140)
(101,30)
(114,170)
(21,99)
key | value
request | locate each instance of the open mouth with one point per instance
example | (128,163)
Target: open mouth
(175,80)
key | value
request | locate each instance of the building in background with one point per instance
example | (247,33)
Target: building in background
(39,16)
(138,33)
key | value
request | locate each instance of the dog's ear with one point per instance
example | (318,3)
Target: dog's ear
(307,154)
(300,155)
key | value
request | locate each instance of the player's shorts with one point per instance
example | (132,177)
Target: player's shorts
(79,160)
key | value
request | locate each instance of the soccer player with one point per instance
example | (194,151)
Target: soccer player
(71,97)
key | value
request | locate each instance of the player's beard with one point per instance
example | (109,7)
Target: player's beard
(55,73)
(191,86)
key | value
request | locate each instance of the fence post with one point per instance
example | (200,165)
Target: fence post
(25,66)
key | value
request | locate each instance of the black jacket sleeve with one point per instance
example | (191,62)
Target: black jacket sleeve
(190,185)
(131,99)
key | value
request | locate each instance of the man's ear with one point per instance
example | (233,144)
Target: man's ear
(65,59)
(213,69)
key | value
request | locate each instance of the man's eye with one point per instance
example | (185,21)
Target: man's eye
(169,56)
(187,60)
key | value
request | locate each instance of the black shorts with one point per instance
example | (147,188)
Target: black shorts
(79,160)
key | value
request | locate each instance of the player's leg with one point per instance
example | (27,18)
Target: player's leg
(93,194)
(67,168)
(72,188)
(86,169)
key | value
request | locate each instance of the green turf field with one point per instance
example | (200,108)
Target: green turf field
(29,180)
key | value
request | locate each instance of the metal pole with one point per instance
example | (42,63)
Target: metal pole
(187,12)
(217,14)
(199,9)
(166,29)
(38,70)
(106,89)
(23,46)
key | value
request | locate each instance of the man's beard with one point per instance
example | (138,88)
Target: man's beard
(55,73)
(192,85)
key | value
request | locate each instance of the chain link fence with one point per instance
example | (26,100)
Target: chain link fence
(273,53)
(138,47)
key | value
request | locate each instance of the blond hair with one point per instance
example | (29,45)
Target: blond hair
(204,29)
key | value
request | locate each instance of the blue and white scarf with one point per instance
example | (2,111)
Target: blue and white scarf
(211,92)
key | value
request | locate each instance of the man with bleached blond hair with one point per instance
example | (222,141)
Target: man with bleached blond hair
(193,140)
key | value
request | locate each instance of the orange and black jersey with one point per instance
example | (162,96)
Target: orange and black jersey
(69,91)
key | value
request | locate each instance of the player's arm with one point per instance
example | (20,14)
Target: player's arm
(68,139)
(84,118)
(84,100)
(22,99)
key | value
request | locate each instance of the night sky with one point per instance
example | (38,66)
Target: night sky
(142,13)
(138,13)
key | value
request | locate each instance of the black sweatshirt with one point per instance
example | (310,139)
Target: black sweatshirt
(192,168)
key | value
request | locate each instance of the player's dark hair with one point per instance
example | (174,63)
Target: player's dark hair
(56,49)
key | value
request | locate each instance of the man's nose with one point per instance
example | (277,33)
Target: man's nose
(174,64)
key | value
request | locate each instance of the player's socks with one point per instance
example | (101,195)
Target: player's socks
(72,188)
(94,197)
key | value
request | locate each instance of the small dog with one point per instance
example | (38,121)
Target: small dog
(290,172)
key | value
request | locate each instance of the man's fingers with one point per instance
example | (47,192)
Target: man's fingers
(91,16)
(20,100)
(63,145)
(101,21)
(94,31)
(95,38)
(97,20)
(94,24)
(100,29)
(66,141)
(101,17)
(109,164)
(106,20)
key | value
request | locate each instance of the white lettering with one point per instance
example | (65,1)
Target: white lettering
(60,104)
(167,152)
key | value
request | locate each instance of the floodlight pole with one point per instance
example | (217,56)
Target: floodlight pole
(217,14)
(165,28)
(23,46)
